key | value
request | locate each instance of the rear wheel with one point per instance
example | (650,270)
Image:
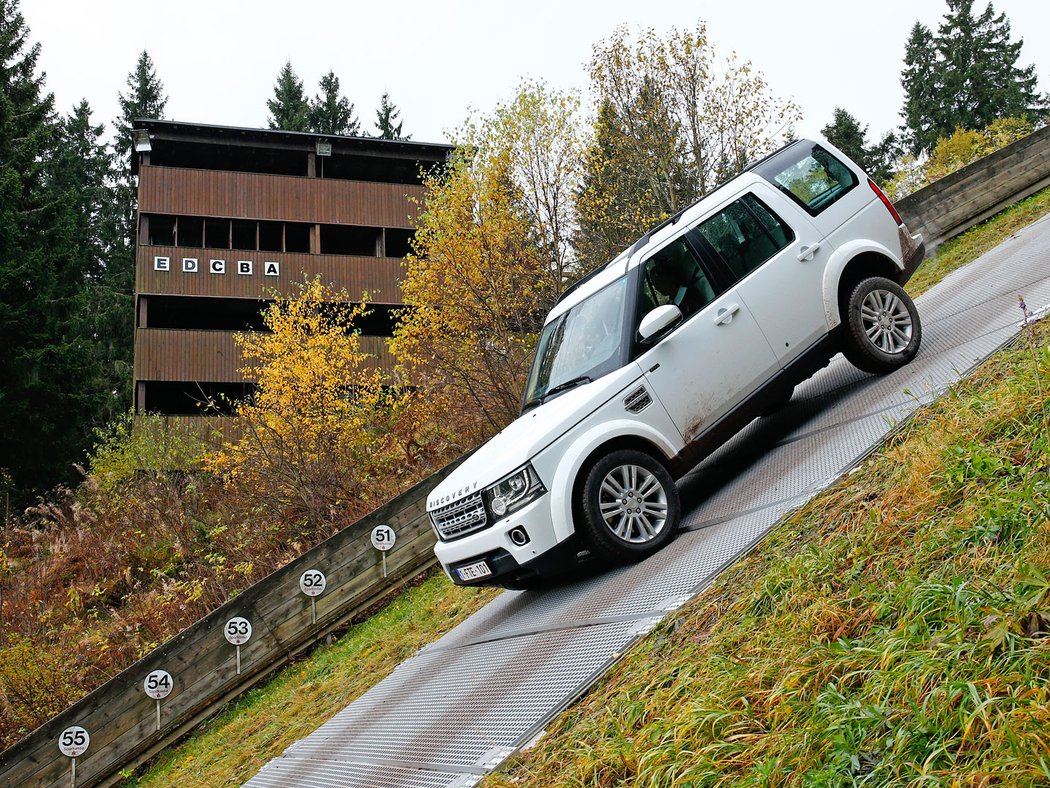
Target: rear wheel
(630,506)
(882,327)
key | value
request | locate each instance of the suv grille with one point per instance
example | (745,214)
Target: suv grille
(460,518)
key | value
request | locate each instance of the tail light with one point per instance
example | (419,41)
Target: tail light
(885,201)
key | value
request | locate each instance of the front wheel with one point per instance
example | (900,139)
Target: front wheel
(882,328)
(630,506)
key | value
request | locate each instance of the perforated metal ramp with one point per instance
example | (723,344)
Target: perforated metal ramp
(455,710)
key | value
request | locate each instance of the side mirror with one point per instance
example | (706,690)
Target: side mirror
(660,319)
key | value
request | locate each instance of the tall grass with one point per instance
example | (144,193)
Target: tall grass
(896,631)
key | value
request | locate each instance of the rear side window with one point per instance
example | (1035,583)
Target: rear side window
(745,234)
(809,175)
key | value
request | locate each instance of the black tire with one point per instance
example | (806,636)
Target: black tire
(882,328)
(630,506)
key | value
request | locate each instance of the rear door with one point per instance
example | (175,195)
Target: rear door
(775,259)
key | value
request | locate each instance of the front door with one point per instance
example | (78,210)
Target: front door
(715,357)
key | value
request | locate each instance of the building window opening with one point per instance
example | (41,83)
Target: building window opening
(162,230)
(190,231)
(271,237)
(297,237)
(190,398)
(342,239)
(399,242)
(217,233)
(244,234)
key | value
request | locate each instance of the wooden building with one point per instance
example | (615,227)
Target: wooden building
(227,216)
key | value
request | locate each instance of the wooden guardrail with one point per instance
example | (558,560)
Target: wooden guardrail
(968,196)
(121,719)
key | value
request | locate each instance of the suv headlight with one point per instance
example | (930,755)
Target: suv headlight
(514,491)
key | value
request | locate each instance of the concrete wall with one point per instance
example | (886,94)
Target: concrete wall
(968,196)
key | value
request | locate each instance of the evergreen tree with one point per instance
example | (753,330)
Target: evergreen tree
(145,99)
(289,109)
(964,76)
(44,405)
(103,314)
(82,166)
(846,134)
(330,113)
(385,117)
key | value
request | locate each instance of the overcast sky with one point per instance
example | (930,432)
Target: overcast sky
(218,60)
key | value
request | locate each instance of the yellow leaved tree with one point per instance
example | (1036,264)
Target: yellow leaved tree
(326,436)
(491,255)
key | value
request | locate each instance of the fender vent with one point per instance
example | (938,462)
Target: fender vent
(638,400)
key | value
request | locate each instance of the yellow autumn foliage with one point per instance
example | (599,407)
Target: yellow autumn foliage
(327,436)
(491,254)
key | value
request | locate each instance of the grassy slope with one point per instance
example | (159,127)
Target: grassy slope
(896,631)
(306,695)
(232,747)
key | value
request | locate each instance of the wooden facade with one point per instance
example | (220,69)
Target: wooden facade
(267,209)
(377,276)
(167,354)
(277,197)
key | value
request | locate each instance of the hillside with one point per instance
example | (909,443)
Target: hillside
(892,632)
(267,721)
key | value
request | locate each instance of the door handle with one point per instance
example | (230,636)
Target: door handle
(725,316)
(807,252)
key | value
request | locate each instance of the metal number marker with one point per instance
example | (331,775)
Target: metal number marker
(238,630)
(158,685)
(312,583)
(73,742)
(383,538)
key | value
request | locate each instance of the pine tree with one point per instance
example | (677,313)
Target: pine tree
(45,400)
(103,314)
(846,133)
(924,107)
(289,109)
(330,113)
(964,76)
(145,99)
(385,117)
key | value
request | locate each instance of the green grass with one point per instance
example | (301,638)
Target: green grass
(896,631)
(269,718)
(232,747)
(974,242)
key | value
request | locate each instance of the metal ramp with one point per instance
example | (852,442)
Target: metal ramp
(460,706)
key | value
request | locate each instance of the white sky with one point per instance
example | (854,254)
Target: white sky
(218,60)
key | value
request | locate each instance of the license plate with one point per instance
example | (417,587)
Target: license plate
(474,571)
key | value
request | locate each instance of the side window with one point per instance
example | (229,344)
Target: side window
(674,276)
(746,233)
(810,175)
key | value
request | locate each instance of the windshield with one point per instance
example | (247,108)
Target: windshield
(580,345)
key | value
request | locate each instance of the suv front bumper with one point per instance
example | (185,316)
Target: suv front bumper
(504,560)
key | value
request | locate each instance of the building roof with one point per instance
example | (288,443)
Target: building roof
(179,131)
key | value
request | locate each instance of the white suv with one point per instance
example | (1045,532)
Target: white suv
(656,359)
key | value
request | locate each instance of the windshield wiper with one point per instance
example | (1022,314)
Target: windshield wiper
(568,384)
